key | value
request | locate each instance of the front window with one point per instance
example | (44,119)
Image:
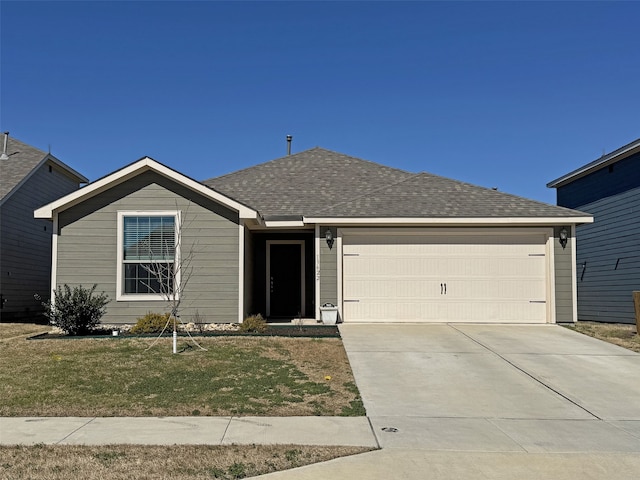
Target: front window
(147,254)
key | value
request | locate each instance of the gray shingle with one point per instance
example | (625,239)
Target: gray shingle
(427,195)
(22,160)
(322,183)
(304,183)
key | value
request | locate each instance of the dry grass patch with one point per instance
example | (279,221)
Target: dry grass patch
(623,335)
(268,376)
(12,330)
(124,462)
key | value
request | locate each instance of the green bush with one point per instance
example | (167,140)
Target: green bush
(253,324)
(151,323)
(76,311)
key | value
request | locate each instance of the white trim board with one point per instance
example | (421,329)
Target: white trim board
(545,236)
(451,221)
(124,297)
(131,171)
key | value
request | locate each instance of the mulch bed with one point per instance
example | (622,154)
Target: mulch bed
(312,331)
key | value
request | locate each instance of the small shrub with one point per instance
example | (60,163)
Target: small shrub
(200,322)
(253,324)
(151,323)
(76,311)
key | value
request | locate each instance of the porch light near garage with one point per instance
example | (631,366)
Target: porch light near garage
(328,235)
(563,237)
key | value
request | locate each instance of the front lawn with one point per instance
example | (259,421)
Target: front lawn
(178,462)
(11,330)
(268,376)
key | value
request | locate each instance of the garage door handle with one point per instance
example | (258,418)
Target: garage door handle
(345,301)
(443,289)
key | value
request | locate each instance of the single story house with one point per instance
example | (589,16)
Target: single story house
(285,237)
(29,178)
(608,254)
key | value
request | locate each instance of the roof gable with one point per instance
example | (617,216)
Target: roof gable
(23,161)
(602,162)
(132,170)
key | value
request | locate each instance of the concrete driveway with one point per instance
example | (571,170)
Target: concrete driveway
(450,402)
(495,388)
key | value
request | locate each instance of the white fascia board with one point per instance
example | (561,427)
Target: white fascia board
(243,211)
(493,221)
(283,223)
(605,160)
(131,171)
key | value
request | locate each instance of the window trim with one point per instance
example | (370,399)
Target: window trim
(137,297)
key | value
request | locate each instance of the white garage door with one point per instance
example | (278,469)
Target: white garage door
(445,278)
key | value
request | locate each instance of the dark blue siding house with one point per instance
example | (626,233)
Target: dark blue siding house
(608,250)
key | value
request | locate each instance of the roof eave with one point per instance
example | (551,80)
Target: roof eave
(450,221)
(81,178)
(145,164)
(604,161)
(47,158)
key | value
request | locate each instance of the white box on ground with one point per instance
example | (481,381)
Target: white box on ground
(329,314)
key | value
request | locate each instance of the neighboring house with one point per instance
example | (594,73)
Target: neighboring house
(608,253)
(29,178)
(285,237)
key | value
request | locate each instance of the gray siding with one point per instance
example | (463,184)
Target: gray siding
(328,269)
(608,260)
(87,248)
(25,258)
(563,278)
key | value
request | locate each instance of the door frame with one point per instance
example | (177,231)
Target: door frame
(302,272)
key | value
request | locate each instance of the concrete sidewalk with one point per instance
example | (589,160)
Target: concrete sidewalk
(351,431)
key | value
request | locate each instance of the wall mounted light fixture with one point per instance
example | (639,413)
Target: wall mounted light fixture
(563,236)
(328,235)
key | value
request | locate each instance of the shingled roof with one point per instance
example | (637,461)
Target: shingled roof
(23,160)
(322,183)
(305,183)
(427,195)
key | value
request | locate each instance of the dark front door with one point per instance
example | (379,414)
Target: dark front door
(285,279)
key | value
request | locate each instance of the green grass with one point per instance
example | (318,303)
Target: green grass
(122,377)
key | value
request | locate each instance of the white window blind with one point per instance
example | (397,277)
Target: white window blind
(149,238)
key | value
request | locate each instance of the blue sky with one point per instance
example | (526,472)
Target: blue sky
(506,94)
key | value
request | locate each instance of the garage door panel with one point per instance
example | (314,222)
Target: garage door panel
(487,278)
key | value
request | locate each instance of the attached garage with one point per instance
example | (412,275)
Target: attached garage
(464,275)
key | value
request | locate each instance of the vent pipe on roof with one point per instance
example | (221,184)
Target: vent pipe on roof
(289,138)
(4,155)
